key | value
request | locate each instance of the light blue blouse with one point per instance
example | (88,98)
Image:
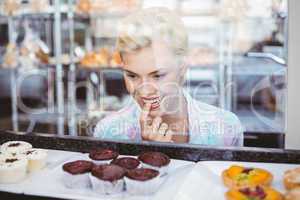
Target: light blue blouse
(208,125)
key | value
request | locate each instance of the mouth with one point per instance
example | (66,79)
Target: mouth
(155,102)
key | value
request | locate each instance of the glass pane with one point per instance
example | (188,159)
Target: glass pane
(64,72)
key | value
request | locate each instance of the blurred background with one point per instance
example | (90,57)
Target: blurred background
(59,71)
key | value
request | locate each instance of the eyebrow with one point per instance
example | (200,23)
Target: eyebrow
(151,73)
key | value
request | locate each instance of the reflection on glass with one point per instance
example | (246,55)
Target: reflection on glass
(234,59)
(153,44)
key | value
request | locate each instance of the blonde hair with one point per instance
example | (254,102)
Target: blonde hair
(140,29)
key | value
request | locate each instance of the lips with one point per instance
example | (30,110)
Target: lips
(155,102)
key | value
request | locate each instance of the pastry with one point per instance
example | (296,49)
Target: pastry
(103,156)
(12,168)
(128,163)
(142,181)
(107,179)
(15,147)
(116,60)
(155,160)
(83,6)
(11,6)
(253,193)
(36,159)
(291,179)
(238,176)
(75,174)
(293,194)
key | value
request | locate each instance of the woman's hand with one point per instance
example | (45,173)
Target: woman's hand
(154,129)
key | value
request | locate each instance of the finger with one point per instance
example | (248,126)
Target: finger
(163,128)
(168,136)
(156,124)
(144,118)
(145,133)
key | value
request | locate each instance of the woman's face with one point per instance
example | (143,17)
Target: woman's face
(153,75)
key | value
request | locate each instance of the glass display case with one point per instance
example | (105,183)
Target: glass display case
(232,64)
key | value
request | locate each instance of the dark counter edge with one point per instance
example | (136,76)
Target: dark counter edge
(182,152)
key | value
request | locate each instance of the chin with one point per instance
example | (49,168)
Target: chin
(155,113)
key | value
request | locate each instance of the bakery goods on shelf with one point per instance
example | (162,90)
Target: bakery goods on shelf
(291,178)
(9,58)
(254,193)
(84,6)
(101,58)
(96,59)
(116,60)
(10,7)
(239,176)
(106,6)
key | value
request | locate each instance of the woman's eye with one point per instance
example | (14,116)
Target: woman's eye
(159,76)
(132,76)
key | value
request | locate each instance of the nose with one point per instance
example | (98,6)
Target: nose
(147,88)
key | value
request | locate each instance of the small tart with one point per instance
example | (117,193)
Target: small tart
(293,194)
(254,193)
(239,176)
(291,179)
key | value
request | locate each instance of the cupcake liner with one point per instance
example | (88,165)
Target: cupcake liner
(106,187)
(76,181)
(162,170)
(135,187)
(13,175)
(100,162)
(96,162)
(13,172)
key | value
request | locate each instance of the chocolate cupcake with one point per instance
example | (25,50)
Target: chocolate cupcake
(142,181)
(75,174)
(103,156)
(155,160)
(107,179)
(128,163)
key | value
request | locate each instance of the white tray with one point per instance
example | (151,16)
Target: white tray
(48,181)
(205,182)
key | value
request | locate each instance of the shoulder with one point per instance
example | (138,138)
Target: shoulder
(223,124)
(214,113)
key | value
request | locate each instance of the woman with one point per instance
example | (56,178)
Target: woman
(153,44)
